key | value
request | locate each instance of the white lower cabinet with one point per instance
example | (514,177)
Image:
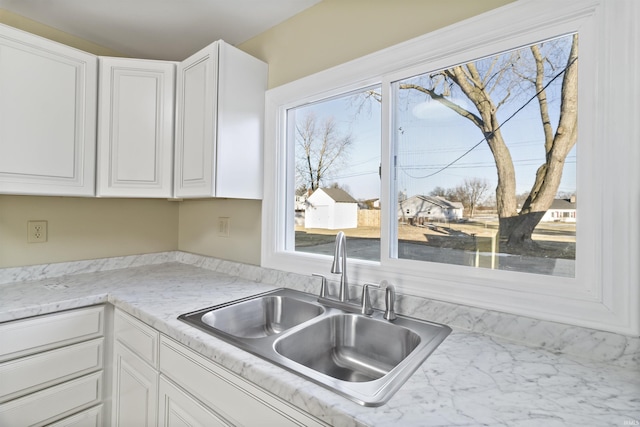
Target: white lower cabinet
(52,373)
(52,368)
(157,379)
(233,399)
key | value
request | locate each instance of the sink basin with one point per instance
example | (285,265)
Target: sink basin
(261,317)
(364,358)
(350,347)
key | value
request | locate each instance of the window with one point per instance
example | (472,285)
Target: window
(599,279)
(475,149)
(336,144)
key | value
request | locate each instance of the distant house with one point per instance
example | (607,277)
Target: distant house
(417,209)
(369,204)
(561,210)
(301,201)
(331,208)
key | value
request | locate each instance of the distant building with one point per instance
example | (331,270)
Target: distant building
(369,204)
(418,209)
(561,210)
(331,208)
(301,201)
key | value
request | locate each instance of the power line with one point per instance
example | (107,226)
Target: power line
(500,126)
(476,165)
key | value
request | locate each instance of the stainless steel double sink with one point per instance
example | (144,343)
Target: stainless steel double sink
(364,358)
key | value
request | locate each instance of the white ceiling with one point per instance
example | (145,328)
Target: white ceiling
(159,29)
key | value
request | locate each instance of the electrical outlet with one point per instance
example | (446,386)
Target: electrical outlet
(36,231)
(224,226)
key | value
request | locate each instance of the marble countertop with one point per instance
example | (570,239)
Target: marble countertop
(471,379)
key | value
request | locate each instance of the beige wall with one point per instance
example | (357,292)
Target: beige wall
(198,230)
(328,34)
(336,31)
(85,228)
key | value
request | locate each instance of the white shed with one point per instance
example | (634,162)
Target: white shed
(331,208)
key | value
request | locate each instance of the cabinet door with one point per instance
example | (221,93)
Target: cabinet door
(135,128)
(196,111)
(135,390)
(178,409)
(47,116)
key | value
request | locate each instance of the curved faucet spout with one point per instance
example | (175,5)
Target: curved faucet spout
(340,264)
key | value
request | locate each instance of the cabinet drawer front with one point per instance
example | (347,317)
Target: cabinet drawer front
(28,374)
(177,408)
(91,417)
(137,337)
(22,337)
(53,403)
(238,401)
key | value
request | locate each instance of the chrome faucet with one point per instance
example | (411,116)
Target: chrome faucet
(390,300)
(339,265)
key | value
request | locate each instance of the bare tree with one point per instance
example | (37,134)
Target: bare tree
(320,149)
(470,193)
(489,85)
(438,192)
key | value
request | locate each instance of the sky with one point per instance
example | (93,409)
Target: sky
(430,140)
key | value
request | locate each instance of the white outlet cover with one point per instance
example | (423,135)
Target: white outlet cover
(37,231)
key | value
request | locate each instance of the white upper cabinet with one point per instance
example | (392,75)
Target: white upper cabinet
(135,128)
(219,124)
(47,116)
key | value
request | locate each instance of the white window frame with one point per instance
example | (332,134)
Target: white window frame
(605,294)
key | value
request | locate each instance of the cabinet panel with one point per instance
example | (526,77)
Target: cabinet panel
(238,401)
(137,336)
(196,93)
(135,390)
(23,337)
(178,409)
(91,417)
(135,128)
(21,376)
(47,116)
(52,403)
(239,169)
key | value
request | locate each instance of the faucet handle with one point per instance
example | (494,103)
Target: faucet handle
(366,307)
(323,285)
